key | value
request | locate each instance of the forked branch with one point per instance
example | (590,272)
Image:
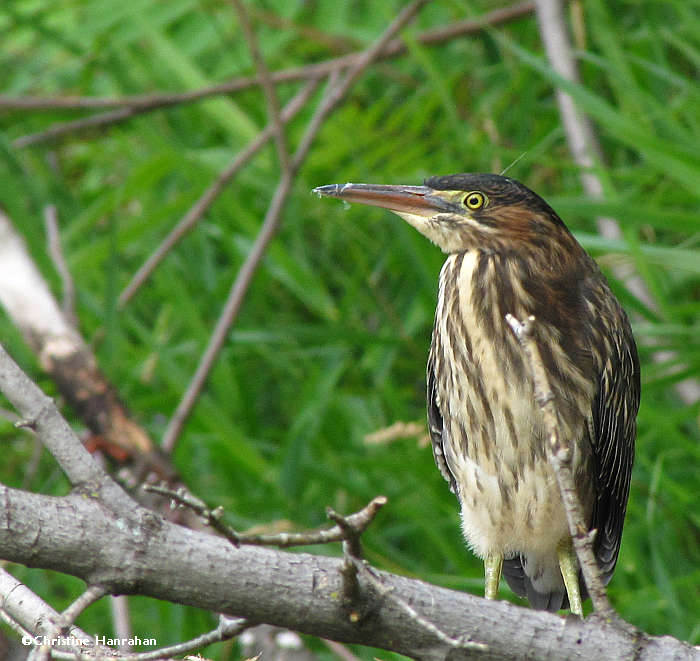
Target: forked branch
(347,527)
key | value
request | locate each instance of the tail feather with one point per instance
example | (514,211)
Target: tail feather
(520,583)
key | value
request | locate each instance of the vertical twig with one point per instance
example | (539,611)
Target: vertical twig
(273,108)
(121,619)
(53,240)
(560,457)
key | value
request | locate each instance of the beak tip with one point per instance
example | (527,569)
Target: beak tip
(330,190)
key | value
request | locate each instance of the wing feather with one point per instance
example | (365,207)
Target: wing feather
(614,413)
(437,428)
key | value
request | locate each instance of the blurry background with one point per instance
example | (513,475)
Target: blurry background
(331,341)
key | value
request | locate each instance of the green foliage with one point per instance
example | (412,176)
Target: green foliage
(332,338)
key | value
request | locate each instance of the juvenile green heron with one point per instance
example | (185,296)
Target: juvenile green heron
(509,252)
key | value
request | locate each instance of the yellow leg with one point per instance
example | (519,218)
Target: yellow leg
(493,564)
(569,571)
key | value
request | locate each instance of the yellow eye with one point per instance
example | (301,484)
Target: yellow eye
(474,200)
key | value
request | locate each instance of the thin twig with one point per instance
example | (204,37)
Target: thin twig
(560,453)
(66,619)
(463,642)
(273,106)
(273,217)
(129,106)
(200,207)
(352,551)
(340,650)
(183,498)
(351,532)
(396,431)
(228,628)
(59,129)
(350,594)
(56,252)
(90,596)
(121,619)
(228,314)
(354,524)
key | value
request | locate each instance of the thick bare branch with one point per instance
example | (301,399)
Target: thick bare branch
(152,557)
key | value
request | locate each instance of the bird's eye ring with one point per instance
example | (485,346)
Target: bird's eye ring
(474,200)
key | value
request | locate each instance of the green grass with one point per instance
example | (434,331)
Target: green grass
(332,339)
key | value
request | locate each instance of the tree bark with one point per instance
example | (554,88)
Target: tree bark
(131,550)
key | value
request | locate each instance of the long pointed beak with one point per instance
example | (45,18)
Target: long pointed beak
(415,200)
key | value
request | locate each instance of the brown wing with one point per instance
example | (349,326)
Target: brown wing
(614,428)
(437,428)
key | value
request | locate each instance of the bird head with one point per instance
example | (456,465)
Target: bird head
(463,212)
